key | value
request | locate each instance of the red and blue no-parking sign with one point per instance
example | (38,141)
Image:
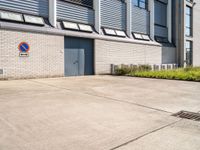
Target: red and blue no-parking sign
(24,47)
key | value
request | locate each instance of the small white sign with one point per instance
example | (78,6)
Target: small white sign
(109,31)
(70,25)
(23,54)
(86,28)
(34,19)
(120,33)
(11,16)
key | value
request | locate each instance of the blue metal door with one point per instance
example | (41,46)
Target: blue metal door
(78,56)
(81,62)
(71,59)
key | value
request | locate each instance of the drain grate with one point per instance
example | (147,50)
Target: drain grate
(188,115)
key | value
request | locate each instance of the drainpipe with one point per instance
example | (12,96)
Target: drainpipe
(52,13)
(128,17)
(152,19)
(169,20)
(97,9)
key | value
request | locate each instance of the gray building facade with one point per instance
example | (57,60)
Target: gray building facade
(53,38)
(186,32)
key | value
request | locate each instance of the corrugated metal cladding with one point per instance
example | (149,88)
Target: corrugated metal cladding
(161,31)
(140,20)
(88,3)
(74,13)
(113,14)
(161,18)
(35,7)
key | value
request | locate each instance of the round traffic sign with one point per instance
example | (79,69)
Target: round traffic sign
(24,47)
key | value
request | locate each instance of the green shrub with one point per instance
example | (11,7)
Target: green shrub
(144,68)
(188,74)
(125,70)
(190,68)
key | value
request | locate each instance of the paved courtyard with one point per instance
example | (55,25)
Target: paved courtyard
(98,113)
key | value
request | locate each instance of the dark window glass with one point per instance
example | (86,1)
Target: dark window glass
(161,39)
(141,3)
(188,22)
(189,54)
(160,14)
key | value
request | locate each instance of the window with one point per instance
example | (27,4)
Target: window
(160,13)
(120,33)
(70,25)
(85,28)
(76,26)
(139,36)
(109,32)
(188,24)
(9,16)
(141,3)
(189,53)
(161,30)
(23,18)
(34,20)
(114,32)
(146,37)
(161,39)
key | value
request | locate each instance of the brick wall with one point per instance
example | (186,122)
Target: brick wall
(46,56)
(110,52)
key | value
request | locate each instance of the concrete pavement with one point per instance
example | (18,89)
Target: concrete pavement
(98,113)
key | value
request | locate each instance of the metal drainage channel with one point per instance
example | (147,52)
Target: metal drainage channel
(188,115)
